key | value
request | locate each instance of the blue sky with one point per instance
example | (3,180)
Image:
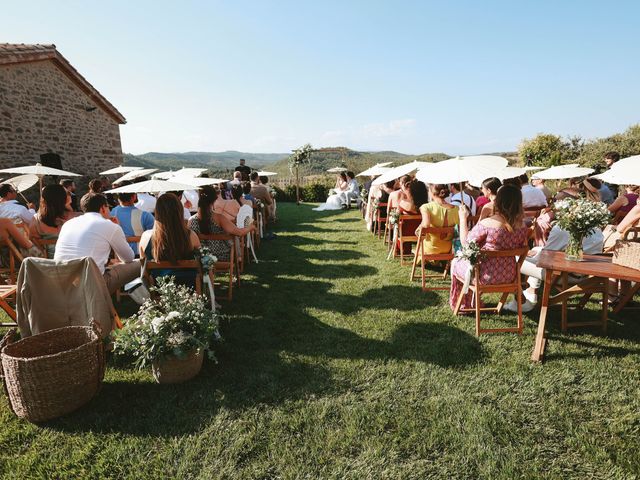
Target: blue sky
(268,76)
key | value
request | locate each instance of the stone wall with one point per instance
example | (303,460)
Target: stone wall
(43,111)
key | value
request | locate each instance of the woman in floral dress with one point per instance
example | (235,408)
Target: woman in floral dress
(504,230)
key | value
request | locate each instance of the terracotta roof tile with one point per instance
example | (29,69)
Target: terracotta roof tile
(14,53)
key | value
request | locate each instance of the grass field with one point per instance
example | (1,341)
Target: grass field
(335,366)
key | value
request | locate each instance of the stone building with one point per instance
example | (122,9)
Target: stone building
(51,114)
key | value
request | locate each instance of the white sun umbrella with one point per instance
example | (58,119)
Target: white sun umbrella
(135,174)
(373,171)
(266,174)
(22,183)
(199,182)
(189,172)
(152,186)
(40,171)
(502,174)
(562,172)
(336,170)
(532,168)
(462,169)
(629,161)
(164,175)
(625,174)
(120,169)
(399,171)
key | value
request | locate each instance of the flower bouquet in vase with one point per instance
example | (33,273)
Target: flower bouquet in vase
(579,217)
(171,332)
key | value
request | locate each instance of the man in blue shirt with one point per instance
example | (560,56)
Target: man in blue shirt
(132,220)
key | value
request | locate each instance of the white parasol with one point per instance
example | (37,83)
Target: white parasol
(199,182)
(189,172)
(135,174)
(120,169)
(503,174)
(462,169)
(377,169)
(625,174)
(22,183)
(40,171)
(267,174)
(337,170)
(532,168)
(563,171)
(152,186)
(625,162)
(399,171)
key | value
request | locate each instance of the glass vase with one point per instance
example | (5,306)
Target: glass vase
(574,247)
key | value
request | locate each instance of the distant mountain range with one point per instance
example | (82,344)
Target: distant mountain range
(322,159)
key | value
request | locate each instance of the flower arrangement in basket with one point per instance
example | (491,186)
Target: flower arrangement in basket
(171,332)
(579,217)
(364,194)
(394,216)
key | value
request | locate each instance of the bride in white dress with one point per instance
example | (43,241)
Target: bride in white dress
(336,199)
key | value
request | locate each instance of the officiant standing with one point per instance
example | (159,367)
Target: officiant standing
(244,169)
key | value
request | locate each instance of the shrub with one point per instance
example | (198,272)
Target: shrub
(312,192)
(547,150)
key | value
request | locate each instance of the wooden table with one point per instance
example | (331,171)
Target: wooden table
(597,270)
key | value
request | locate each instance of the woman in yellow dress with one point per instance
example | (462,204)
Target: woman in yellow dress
(438,213)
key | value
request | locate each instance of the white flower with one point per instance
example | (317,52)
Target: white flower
(156,323)
(172,315)
(177,339)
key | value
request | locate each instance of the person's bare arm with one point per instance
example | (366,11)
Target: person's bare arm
(618,203)
(229,227)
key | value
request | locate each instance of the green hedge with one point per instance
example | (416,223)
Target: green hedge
(312,192)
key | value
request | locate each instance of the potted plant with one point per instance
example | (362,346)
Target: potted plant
(171,332)
(579,217)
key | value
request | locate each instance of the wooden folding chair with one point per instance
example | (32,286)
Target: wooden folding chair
(402,239)
(15,258)
(432,257)
(6,292)
(514,287)
(380,220)
(120,292)
(43,243)
(230,266)
(150,267)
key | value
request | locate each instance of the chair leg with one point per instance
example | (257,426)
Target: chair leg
(414,264)
(477,305)
(503,299)
(519,300)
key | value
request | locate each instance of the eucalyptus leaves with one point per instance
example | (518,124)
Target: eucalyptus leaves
(300,156)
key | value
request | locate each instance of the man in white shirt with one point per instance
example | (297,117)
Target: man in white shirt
(456,198)
(558,240)
(146,202)
(532,197)
(10,208)
(95,235)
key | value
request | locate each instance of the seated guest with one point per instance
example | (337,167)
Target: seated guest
(95,235)
(11,209)
(353,189)
(170,240)
(532,197)
(54,211)
(590,189)
(8,230)
(207,221)
(613,233)
(259,191)
(624,203)
(557,241)
(414,195)
(132,220)
(70,186)
(186,214)
(571,191)
(238,195)
(504,230)
(146,202)
(246,193)
(438,213)
(237,180)
(96,186)
(489,189)
(394,196)
(457,198)
(539,183)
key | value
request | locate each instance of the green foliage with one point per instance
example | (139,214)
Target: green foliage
(548,150)
(300,156)
(626,144)
(312,192)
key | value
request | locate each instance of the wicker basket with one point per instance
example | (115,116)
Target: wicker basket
(52,373)
(627,254)
(176,370)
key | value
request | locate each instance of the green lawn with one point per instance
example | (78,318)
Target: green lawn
(335,366)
